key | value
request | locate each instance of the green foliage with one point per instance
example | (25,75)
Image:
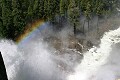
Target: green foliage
(73,14)
(46,9)
(15,14)
(6,18)
(63,7)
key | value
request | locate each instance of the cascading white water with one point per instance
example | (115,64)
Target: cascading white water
(11,57)
(34,61)
(30,62)
(101,63)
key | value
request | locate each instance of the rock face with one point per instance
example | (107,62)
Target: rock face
(80,45)
(71,43)
(67,51)
(75,43)
(3,75)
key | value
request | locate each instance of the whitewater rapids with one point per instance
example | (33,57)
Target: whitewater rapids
(101,63)
(34,61)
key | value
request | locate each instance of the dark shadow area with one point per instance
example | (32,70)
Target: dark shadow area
(3,74)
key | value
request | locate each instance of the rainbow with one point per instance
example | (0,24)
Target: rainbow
(30,28)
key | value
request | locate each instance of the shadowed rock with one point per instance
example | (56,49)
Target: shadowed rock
(3,75)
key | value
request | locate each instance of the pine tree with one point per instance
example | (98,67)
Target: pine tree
(63,7)
(46,9)
(15,14)
(6,19)
(41,12)
(17,19)
(30,11)
(87,12)
(50,9)
(46,13)
(38,9)
(53,9)
(73,13)
(1,21)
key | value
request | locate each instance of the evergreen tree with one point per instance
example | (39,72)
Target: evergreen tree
(87,12)
(41,9)
(15,14)
(64,7)
(46,13)
(24,4)
(38,8)
(17,19)
(30,11)
(1,20)
(73,13)
(51,9)
(6,19)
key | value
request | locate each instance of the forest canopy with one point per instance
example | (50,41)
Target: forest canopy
(16,14)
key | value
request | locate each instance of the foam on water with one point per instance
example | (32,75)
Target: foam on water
(30,62)
(34,61)
(95,59)
(11,57)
